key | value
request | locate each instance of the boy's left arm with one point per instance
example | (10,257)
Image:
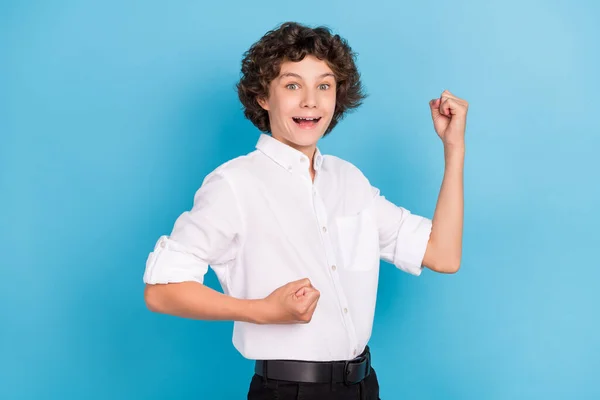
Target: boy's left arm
(444,248)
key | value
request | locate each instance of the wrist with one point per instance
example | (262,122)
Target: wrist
(257,311)
(454,152)
(454,147)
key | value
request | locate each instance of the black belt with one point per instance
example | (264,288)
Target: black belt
(348,372)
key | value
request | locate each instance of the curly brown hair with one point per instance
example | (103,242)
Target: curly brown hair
(292,41)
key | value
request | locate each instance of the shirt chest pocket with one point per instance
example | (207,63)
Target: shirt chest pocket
(358,241)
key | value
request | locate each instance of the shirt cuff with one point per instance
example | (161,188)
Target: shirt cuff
(411,244)
(172,262)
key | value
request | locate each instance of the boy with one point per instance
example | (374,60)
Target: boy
(295,237)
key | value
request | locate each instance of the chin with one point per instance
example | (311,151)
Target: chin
(305,139)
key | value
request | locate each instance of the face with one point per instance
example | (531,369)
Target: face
(301,102)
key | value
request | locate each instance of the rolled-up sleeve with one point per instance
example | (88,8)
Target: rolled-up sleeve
(403,236)
(208,234)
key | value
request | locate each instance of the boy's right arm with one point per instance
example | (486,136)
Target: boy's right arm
(294,302)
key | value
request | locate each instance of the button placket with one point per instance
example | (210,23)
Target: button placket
(331,260)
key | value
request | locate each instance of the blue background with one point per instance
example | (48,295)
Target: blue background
(112,113)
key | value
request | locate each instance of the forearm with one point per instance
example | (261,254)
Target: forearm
(196,301)
(447,224)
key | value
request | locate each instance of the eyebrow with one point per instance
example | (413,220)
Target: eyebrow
(285,74)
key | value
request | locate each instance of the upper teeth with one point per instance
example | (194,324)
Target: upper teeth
(306,119)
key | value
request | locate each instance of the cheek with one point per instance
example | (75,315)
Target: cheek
(286,106)
(330,101)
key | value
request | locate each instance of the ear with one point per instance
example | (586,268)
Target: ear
(263,103)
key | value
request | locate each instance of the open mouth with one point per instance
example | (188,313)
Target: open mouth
(306,122)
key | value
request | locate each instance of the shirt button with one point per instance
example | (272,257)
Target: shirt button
(345,310)
(325,229)
(354,352)
(302,159)
(289,167)
(162,244)
(333,267)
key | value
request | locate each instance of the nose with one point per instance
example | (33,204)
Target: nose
(309,100)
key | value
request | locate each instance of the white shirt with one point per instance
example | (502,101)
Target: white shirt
(260,222)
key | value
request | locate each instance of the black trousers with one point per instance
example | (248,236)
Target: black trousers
(271,389)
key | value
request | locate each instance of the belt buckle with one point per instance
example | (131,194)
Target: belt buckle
(363,365)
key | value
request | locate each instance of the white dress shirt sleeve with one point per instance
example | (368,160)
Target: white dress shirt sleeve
(403,236)
(207,234)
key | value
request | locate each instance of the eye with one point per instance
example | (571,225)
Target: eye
(324,86)
(292,86)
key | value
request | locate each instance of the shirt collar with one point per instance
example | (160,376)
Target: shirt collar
(286,156)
